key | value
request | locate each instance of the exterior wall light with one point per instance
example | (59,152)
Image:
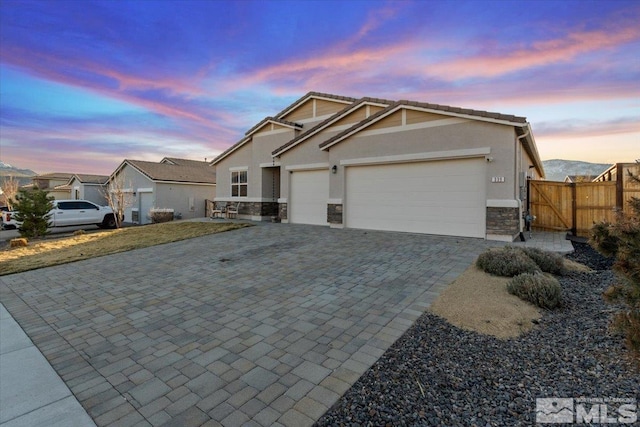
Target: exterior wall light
(334,169)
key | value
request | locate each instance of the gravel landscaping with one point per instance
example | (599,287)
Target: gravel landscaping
(437,374)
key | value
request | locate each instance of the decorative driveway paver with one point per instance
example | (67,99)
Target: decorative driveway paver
(267,325)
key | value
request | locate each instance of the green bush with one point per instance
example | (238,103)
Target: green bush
(537,288)
(32,210)
(507,261)
(549,262)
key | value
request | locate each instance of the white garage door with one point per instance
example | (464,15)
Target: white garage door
(438,197)
(308,197)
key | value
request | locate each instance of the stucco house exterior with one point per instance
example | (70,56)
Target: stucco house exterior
(380,164)
(88,187)
(179,184)
(55,183)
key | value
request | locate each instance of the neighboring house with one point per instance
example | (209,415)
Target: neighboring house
(384,165)
(88,187)
(579,178)
(55,183)
(178,184)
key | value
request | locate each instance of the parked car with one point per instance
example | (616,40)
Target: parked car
(66,213)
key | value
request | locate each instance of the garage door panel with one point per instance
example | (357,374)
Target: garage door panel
(309,195)
(443,197)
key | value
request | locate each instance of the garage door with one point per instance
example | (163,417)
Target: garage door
(308,197)
(439,197)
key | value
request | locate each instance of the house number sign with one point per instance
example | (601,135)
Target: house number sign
(497,179)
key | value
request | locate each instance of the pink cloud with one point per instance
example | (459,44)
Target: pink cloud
(539,54)
(343,67)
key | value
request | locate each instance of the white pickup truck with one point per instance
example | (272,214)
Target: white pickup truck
(67,213)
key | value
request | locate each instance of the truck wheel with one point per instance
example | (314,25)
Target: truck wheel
(108,222)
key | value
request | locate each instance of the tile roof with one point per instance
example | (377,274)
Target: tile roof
(54,175)
(314,94)
(278,119)
(329,120)
(275,120)
(90,179)
(182,162)
(466,111)
(195,171)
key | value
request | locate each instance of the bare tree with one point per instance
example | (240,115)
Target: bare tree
(118,197)
(10,187)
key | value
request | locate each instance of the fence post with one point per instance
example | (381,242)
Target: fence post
(574,209)
(619,187)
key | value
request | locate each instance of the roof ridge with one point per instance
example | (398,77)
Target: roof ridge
(311,94)
(326,121)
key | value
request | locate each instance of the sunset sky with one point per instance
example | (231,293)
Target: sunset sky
(86,84)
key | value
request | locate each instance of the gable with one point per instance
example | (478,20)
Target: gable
(354,117)
(270,127)
(313,108)
(413,116)
(324,108)
(392,120)
(303,111)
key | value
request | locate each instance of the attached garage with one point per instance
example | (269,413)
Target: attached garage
(309,192)
(435,197)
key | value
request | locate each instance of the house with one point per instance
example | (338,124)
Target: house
(88,187)
(179,184)
(57,184)
(381,164)
(579,178)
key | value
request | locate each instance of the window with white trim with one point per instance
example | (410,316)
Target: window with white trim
(239,184)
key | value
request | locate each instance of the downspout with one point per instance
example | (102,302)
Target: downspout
(516,179)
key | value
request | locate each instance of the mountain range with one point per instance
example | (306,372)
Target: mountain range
(22,175)
(558,169)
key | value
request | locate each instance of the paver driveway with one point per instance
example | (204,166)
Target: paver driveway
(266,325)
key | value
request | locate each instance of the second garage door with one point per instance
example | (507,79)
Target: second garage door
(438,197)
(308,197)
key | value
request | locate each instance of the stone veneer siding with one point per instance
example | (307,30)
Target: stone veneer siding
(334,213)
(252,208)
(282,211)
(503,221)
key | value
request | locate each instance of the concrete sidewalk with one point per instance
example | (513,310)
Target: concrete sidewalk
(31,392)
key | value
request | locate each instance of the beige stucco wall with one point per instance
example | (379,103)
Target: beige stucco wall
(133,180)
(242,157)
(176,196)
(251,155)
(90,192)
(398,141)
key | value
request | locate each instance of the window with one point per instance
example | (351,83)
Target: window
(239,184)
(76,205)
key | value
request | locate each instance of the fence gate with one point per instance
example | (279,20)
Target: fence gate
(552,205)
(572,206)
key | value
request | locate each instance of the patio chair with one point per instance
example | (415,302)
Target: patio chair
(231,211)
(217,213)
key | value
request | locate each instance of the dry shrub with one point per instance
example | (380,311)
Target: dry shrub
(20,242)
(79,232)
(507,261)
(538,288)
(549,262)
(161,215)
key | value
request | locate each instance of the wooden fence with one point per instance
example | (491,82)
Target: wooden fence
(575,207)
